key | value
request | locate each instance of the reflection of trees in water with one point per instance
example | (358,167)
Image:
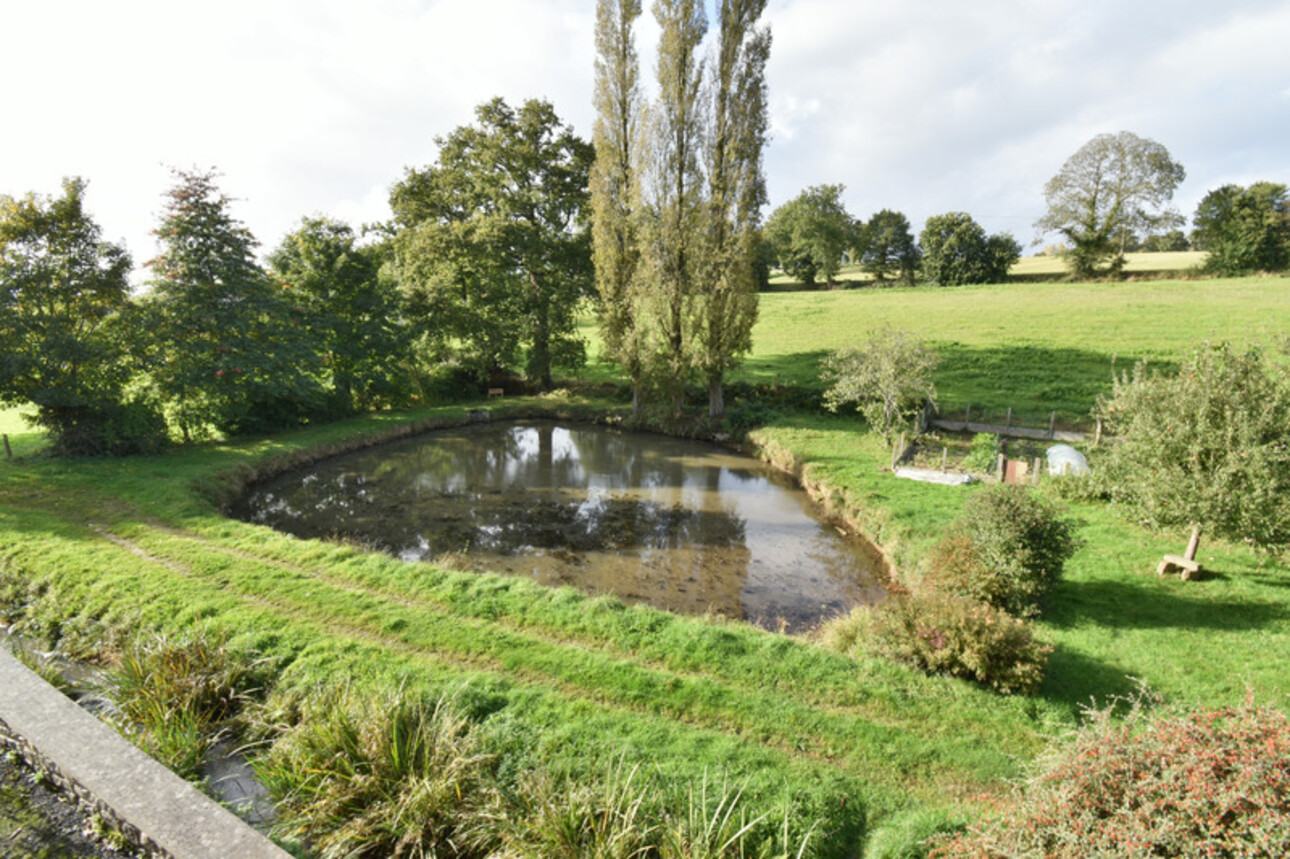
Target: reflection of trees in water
(650,510)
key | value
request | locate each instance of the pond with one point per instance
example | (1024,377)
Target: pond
(682,525)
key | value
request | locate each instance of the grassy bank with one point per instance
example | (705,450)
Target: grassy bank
(1111,619)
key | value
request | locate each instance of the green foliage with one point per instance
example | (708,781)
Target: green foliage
(1244,229)
(943,634)
(615,185)
(1207,447)
(809,233)
(492,248)
(888,380)
(983,456)
(734,141)
(1112,187)
(1210,782)
(62,293)
(229,348)
(886,247)
(180,695)
(118,428)
(673,198)
(956,251)
(393,775)
(355,315)
(1172,241)
(1007,550)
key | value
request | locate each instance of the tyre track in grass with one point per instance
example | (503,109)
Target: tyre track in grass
(875,714)
(795,732)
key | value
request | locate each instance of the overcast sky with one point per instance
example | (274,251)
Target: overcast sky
(316,106)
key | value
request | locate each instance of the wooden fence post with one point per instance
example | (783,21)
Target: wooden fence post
(1097,438)
(1008,425)
(895,452)
(8,451)
(1034,478)
(999,466)
(1052,424)
(967,415)
(945,456)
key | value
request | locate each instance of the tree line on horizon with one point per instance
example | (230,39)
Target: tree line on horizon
(495,249)
(1109,198)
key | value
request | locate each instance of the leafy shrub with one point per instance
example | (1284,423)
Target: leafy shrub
(943,634)
(134,426)
(889,379)
(1090,487)
(1008,550)
(1213,782)
(983,454)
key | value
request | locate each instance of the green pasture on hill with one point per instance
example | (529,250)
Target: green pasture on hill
(1035,348)
(92,549)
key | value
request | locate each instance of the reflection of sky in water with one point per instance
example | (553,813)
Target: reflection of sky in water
(679,524)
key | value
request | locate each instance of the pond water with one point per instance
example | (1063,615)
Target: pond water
(683,525)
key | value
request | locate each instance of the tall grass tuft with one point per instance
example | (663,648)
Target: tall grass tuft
(388,775)
(628,814)
(557,817)
(176,697)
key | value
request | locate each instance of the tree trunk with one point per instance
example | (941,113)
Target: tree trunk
(716,398)
(1194,543)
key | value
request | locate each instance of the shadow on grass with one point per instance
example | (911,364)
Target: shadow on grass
(1129,605)
(1077,680)
(796,368)
(1033,381)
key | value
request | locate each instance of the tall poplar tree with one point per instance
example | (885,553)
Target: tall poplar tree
(674,200)
(615,187)
(736,193)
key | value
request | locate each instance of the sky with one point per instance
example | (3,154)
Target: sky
(924,106)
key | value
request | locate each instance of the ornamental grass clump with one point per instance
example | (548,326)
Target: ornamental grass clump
(386,775)
(176,697)
(1212,782)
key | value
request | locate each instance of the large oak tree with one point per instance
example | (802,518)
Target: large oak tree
(1116,185)
(492,242)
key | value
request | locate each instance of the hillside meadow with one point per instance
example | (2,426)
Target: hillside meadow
(93,552)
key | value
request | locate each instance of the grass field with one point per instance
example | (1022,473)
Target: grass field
(1034,266)
(91,549)
(1035,348)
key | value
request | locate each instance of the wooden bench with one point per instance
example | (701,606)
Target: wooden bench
(1187,569)
(496,392)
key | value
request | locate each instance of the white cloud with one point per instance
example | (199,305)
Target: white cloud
(923,106)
